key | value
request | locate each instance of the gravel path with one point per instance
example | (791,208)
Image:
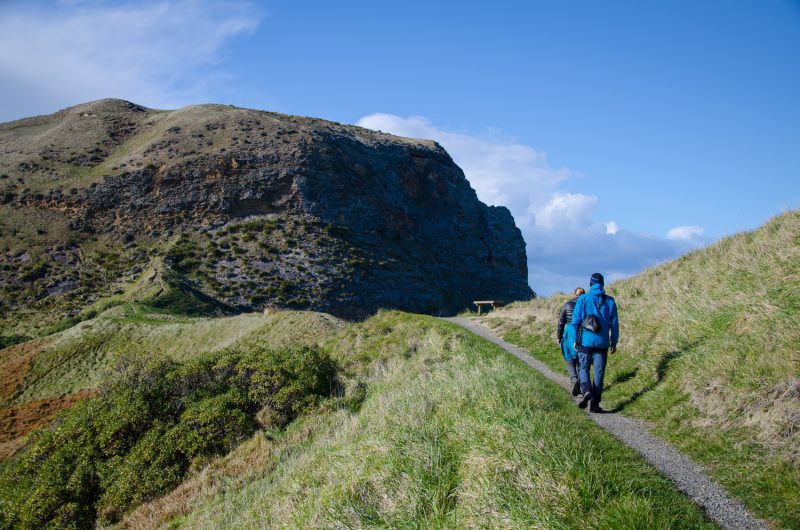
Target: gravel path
(677,467)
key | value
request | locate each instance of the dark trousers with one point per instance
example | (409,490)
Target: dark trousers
(597,357)
(572,370)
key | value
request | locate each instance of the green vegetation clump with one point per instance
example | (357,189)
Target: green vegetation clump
(152,422)
(184,256)
(10,340)
(181,298)
(78,358)
(34,272)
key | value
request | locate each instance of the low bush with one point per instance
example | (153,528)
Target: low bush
(35,272)
(153,422)
(184,256)
(10,340)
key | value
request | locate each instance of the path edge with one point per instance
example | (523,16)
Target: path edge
(688,476)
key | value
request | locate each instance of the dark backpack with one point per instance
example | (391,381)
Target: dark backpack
(592,323)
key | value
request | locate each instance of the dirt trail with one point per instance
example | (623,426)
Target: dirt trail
(679,468)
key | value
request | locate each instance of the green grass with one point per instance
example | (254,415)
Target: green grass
(183,299)
(708,355)
(767,483)
(432,427)
(155,420)
(78,358)
(452,432)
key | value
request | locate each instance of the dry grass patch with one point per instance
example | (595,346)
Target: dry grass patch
(14,365)
(16,421)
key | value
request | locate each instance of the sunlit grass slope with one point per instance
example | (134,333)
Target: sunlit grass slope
(77,358)
(709,355)
(41,377)
(435,428)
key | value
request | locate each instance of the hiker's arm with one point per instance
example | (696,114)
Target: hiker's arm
(578,339)
(578,312)
(562,320)
(614,327)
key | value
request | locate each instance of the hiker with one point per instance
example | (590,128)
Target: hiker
(594,319)
(566,339)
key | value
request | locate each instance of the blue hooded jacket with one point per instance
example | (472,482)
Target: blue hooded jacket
(594,303)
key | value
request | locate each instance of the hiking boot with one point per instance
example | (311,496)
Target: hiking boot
(576,388)
(584,400)
(597,409)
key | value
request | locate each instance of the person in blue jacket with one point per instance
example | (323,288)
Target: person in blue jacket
(565,335)
(593,346)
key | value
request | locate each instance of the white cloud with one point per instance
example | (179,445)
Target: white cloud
(564,244)
(685,232)
(566,210)
(158,53)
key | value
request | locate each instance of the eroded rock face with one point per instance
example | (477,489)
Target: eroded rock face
(380,221)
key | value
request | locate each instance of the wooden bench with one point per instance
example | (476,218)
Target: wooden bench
(481,303)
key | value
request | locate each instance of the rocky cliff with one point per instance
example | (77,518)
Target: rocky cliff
(241,209)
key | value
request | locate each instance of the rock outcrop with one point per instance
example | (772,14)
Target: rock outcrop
(252,208)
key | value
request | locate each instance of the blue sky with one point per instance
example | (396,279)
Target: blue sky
(620,134)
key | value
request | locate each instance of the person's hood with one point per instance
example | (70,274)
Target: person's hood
(596,288)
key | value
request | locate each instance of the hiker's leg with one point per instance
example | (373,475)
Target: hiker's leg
(572,370)
(599,360)
(583,371)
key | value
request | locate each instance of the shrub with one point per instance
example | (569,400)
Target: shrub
(10,340)
(184,256)
(35,272)
(152,422)
(61,325)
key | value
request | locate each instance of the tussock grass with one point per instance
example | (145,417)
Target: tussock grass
(436,429)
(709,355)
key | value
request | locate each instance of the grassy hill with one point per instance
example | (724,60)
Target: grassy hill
(42,377)
(425,426)
(453,432)
(171,414)
(709,355)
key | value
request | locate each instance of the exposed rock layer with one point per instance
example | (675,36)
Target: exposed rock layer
(380,221)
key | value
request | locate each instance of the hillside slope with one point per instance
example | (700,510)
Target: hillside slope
(248,208)
(427,426)
(41,378)
(709,355)
(453,433)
